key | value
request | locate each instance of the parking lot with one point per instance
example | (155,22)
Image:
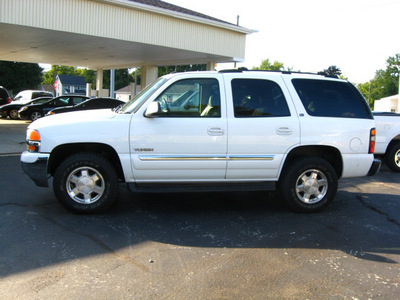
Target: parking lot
(196,246)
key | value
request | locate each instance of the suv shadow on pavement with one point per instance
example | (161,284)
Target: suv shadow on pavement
(252,220)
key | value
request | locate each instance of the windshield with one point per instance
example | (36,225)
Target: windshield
(134,104)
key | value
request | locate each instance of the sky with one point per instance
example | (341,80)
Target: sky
(357,36)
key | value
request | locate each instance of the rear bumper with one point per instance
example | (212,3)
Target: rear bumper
(375,167)
(35,166)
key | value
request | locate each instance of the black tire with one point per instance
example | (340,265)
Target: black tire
(392,157)
(13,114)
(309,184)
(86,182)
(35,115)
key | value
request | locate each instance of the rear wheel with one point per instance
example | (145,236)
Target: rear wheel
(308,185)
(13,114)
(86,183)
(392,157)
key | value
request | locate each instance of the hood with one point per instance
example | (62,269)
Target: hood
(73,118)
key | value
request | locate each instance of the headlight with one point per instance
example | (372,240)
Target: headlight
(33,140)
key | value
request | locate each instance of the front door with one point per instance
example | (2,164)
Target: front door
(188,140)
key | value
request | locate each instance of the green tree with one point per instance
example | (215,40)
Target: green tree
(122,78)
(163,70)
(332,71)
(17,76)
(385,82)
(138,72)
(48,76)
(267,66)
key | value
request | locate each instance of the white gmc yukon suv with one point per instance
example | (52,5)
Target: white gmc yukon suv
(210,131)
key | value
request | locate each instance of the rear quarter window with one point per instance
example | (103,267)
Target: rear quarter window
(328,98)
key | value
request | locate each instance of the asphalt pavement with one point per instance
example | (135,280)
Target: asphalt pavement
(197,246)
(12,136)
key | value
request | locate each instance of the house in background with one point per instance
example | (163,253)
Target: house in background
(47,88)
(125,94)
(388,104)
(68,84)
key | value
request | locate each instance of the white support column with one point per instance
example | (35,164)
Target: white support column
(88,90)
(99,82)
(211,66)
(149,74)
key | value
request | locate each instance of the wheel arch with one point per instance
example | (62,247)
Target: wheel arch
(395,140)
(330,154)
(61,152)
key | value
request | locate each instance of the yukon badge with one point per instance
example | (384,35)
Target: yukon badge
(143,149)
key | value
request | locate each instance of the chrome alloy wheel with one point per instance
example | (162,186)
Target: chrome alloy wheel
(85,185)
(311,186)
(35,115)
(397,158)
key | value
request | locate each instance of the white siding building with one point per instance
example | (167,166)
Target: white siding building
(388,104)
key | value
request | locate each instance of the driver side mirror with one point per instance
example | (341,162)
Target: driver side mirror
(153,110)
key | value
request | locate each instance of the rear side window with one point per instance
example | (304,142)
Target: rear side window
(327,98)
(258,98)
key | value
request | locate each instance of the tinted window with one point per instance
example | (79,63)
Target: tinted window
(258,98)
(60,102)
(199,97)
(326,98)
(76,100)
(92,103)
(39,94)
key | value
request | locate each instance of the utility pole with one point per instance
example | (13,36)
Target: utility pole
(237,23)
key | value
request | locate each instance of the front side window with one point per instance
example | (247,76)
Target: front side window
(197,97)
(258,98)
(137,101)
(328,98)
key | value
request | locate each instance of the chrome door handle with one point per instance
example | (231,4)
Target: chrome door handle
(215,131)
(284,131)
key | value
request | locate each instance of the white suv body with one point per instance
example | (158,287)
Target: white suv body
(211,131)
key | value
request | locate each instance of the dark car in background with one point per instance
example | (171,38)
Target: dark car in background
(11,110)
(4,96)
(94,103)
(35,111)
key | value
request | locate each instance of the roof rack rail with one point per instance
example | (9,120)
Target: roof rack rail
(238,70)
(241,69)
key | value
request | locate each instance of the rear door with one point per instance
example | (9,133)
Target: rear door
(262,126)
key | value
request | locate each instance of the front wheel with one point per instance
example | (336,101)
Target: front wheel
(393,157)
(308,185)
(86,183)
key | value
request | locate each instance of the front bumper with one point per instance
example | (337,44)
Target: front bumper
(375,167)
(35,166)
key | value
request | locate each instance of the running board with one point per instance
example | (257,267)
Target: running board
(201,187)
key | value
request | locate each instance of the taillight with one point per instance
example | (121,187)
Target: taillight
(372,139)
(8,100)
